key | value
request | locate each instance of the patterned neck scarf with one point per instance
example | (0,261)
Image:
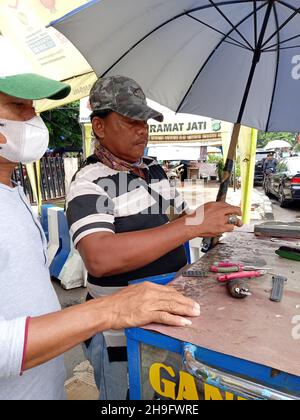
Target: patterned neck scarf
(113,162)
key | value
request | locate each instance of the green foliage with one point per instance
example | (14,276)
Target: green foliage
(63,126)
(219,163)
(238,167)
(214,158)
(265,138)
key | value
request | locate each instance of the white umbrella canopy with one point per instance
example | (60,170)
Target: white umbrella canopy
(277,144)
(233,60)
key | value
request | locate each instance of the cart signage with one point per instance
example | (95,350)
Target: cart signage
(166,383)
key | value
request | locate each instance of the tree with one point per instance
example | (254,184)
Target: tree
(63,126)
(265,138)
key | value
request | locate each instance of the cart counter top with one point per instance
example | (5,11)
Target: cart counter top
(254,329)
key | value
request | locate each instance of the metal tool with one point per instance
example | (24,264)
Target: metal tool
(238,289)
(240,275)
(233,267)
(194,273)
(289,253)
(277,290)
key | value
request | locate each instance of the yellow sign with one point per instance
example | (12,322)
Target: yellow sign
(50,54)
(80,86)
(187,387)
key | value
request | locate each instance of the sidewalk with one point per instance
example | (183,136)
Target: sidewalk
(82,385)
(261,208)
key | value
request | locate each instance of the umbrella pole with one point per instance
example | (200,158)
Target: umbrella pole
(222,194)
(209,243)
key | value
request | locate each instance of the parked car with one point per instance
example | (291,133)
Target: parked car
(284,183)
(261,155)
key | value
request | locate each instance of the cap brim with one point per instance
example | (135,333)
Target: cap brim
(140,112)
(34,87)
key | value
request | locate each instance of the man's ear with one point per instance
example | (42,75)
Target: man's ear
(98,127)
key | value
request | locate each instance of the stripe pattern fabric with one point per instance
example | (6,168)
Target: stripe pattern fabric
(102,199)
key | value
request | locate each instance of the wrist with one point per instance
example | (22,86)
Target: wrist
(189,227)
(101,314)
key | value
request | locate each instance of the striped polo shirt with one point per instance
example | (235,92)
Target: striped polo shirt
(102,199)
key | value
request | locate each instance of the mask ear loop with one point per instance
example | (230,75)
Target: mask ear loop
(1,125)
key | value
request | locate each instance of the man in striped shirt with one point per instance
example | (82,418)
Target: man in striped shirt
(34,332)
(117,212)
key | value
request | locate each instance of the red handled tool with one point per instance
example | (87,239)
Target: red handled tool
(230,267)
(240,275)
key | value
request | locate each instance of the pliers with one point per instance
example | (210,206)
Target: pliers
(235,271)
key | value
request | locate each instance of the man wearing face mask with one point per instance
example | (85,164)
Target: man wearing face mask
(34,332)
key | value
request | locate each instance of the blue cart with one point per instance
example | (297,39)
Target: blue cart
(237,349)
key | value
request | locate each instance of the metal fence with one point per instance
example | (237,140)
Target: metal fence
(52,179)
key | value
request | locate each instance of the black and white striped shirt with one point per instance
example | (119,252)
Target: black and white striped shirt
(101,199)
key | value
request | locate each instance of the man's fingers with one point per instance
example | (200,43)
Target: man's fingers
(178,308)
(229,228)
(239,223)
(173,320)
(234,210)
(228,208)
(177,298)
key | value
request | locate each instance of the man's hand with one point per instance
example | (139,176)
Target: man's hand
(212,219)
(141,304)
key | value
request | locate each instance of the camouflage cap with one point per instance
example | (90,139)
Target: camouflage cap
(124,96)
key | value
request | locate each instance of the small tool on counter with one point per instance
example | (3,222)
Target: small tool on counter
(230,267)
(194,273)
(289,253)
(238,289)
(240,275)
(277,290)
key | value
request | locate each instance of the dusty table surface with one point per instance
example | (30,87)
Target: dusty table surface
(253,329)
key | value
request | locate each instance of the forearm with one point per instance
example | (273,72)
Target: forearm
(53,334)
(133,250)
(133,306)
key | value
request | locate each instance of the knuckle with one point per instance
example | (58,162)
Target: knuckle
(163,317)
(172,305)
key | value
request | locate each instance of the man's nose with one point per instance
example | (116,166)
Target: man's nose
(29,110)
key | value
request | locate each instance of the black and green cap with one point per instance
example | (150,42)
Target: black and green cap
(33,86)
(122,95)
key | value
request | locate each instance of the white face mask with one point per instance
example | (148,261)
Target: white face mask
(26,141)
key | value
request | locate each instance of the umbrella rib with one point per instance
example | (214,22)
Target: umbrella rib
(236,42)
(289,6)
(277,67)
(236,45)
(296,12)
(230,23)
(283,48)
(210,56)
(281,42)
(255,22)
(222,3)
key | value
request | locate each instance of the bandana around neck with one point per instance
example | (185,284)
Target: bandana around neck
(113,162)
